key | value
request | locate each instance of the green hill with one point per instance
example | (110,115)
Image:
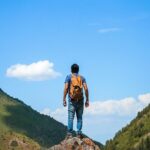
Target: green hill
(135,136)
(22,127)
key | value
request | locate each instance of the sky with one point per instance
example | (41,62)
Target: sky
(40,40)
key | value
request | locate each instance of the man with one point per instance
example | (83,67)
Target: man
(74,85)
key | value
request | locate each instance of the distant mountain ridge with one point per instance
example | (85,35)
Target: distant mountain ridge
(22,128)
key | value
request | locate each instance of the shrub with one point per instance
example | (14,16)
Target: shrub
(14,143)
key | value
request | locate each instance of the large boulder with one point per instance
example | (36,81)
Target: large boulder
(76,144)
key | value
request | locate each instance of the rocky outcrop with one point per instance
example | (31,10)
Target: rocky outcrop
(76,144)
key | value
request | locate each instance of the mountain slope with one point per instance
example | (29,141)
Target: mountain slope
(21,122)
(135,136)
(23,128)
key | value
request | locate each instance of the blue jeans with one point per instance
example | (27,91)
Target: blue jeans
(75,107)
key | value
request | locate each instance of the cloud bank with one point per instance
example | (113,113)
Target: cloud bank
(37,71)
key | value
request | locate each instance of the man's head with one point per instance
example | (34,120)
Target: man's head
(74,68)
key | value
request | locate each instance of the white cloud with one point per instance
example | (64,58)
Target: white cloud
(107,30)
(37,71)
(113,107)
(144,99)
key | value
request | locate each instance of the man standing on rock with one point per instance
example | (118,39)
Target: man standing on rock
(74,84)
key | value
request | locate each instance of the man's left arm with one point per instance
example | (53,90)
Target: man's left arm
(86,94)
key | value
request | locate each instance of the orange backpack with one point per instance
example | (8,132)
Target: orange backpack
(76,88)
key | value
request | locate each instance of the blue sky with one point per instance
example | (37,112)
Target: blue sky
(108,39)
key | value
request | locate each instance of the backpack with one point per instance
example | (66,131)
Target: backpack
(76,88)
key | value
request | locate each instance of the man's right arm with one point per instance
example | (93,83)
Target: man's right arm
(65,94)
(86,94)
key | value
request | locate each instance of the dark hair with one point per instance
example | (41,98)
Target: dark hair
(74,68)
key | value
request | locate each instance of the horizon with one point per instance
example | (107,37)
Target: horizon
(108,39)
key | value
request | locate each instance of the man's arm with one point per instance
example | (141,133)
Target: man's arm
(86,94)
(65,94)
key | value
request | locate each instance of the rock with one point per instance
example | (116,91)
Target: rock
(75,143)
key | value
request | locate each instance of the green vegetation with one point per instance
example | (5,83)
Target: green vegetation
(21,125)
(135,136)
